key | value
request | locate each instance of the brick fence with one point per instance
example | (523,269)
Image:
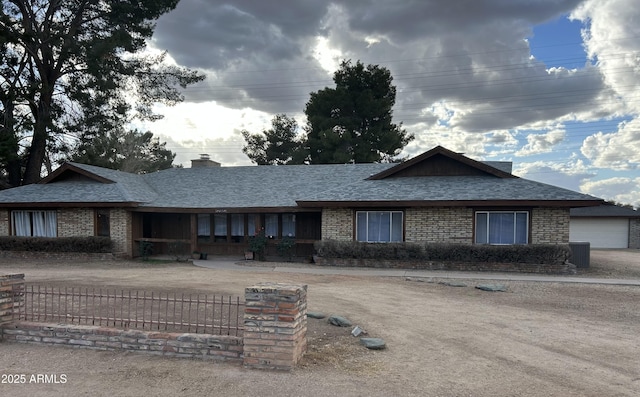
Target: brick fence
(275,325)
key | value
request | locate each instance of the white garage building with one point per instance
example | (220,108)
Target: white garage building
(606,226)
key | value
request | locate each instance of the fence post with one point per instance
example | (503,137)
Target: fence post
(11,297)
(275,325)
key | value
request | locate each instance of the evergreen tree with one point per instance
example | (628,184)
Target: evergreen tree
(352,123)
(276,146)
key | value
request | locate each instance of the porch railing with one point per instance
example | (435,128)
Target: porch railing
(137,309)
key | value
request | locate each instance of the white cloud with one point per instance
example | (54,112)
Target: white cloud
(569,175)
(619,150)
(620,189)
(542,143)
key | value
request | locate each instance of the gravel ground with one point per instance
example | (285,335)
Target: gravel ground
(537,339)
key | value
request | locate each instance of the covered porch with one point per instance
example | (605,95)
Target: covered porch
(224,232)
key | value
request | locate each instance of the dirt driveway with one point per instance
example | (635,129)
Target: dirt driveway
(537,339)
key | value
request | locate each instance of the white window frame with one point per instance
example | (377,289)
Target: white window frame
(49,227)
(515,226)
(366,238)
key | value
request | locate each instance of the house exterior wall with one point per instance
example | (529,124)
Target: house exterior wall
(439,225)
(549,226)
(76,222)
(634,233)
(121,231)
(4,223)
(450,225)
(337,224)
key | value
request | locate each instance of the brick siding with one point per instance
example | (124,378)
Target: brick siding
(4,223)
(439,225)
(76,222)
(337,224)
(634,233)
(121,234)
(549,226)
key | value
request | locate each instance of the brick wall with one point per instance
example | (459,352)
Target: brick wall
(634,233)
(439,225)
(76,222)
(4,223)
(337,224)
(550,226)
(120,223)
(202,346)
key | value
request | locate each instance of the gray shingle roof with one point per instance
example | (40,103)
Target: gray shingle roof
(605,211)
(447,188)
(280,186)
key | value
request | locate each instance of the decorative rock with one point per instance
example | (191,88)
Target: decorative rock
(316,315)
(453,284)
(339,321)
(373,343)
(492,287)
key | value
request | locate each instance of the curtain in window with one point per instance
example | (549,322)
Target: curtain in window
(237,225)
(204,225)
(502,227)
(379,226)
(271,225)
(21,221)
(34,223)
(220,224)
(288,225)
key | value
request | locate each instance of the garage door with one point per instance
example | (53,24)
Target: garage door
(601,233)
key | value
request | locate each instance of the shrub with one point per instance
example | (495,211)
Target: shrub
(532,254)
(91,244)
(285,247)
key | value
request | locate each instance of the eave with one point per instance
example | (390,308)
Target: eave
(457,203)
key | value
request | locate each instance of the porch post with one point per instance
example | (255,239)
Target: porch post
(194,232)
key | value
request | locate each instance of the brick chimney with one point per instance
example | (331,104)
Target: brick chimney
(204,161)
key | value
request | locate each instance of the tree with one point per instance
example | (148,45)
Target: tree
(75,66)
(276,146)
(133,151)
(352,123)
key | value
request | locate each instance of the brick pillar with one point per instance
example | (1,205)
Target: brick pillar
(275,325)
(11,296)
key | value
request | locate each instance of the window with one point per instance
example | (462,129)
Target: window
(288,225)
(502,227)
(34,223)
(237,227)
(271,225)
(220,227)
(103,223)
(204,225)
(252,223)
(379,226)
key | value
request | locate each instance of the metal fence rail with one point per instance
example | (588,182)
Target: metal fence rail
(146,310)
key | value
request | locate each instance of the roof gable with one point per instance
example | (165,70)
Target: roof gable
(441,162)
(69,171)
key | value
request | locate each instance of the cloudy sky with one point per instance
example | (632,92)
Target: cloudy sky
(551,85)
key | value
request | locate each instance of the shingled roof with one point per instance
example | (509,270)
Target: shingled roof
(412,183)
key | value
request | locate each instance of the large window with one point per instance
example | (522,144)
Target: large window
(34,223)
(502,227)
(379,226)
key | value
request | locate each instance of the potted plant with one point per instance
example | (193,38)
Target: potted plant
(195,255)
